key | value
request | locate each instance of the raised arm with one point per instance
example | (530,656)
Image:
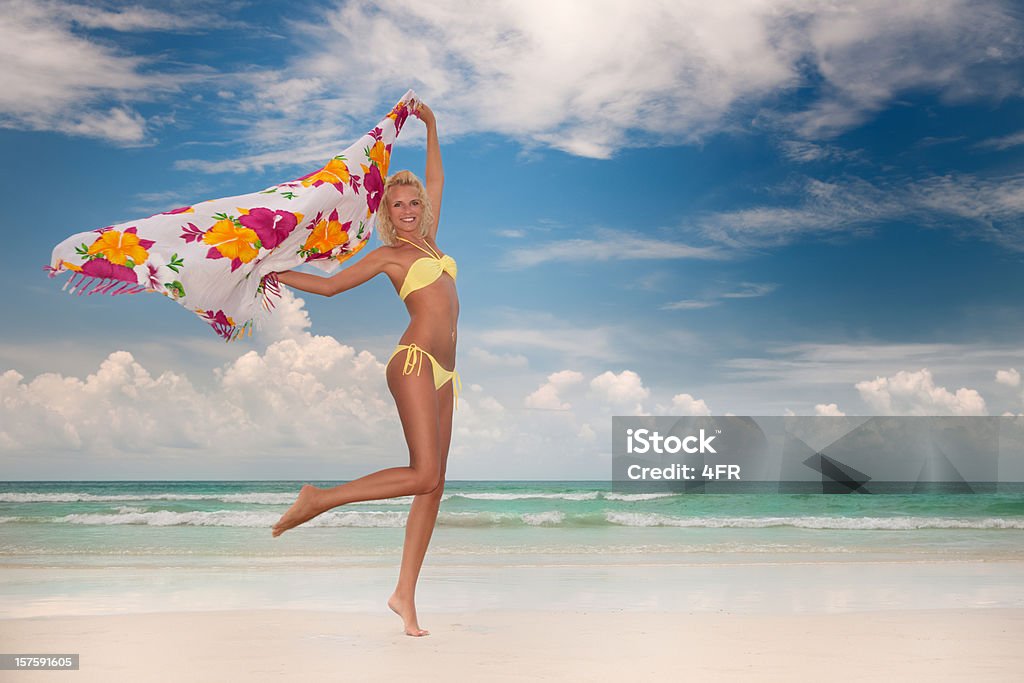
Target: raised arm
(434,180)
(370,265)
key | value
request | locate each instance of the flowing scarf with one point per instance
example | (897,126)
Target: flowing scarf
(218,258)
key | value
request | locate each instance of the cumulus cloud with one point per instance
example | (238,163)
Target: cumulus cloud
(828,409)
(289,319)
(311,393)
(305,404)
(915,393)
(623,392)
(685,404)
(547,396)
(1010,378)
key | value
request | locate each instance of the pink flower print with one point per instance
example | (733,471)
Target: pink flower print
(373,185)
(191,233)
(183,209)
(151,276)
(399,114)
(221,323)
(102,268)
(272,227)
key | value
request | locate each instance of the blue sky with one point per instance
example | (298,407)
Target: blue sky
(758,208)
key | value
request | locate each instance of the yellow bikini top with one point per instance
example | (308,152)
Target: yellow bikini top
(424,271)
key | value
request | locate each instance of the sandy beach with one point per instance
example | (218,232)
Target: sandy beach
(934,645)
(524,581)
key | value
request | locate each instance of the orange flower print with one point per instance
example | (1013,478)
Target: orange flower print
(231,240)
(117,247)
(380,155)
(346,255)
(325,235)
(335,172)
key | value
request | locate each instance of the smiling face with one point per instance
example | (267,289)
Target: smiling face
(405,209)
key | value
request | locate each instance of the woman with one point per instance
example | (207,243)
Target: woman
(425,279)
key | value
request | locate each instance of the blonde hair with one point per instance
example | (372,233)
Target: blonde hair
(385,228)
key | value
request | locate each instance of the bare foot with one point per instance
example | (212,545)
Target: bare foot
(407,610)
(305,508)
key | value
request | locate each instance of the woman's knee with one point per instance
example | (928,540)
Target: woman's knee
(425,481)
(438,489)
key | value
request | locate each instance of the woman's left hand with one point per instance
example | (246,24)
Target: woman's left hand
(425,114)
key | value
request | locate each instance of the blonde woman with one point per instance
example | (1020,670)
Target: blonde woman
(421,371)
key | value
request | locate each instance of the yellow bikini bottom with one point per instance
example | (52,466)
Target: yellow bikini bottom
(414,359)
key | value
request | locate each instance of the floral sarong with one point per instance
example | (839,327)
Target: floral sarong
(217,258)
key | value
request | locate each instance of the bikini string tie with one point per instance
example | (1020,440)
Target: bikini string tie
(413,358)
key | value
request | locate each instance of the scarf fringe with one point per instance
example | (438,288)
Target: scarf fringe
(80,284)
(269,287)
(232,333)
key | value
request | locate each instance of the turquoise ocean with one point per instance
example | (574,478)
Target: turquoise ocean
(78,545)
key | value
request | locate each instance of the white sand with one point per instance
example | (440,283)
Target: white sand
(264,645)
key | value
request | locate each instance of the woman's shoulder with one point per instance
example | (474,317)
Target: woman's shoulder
(387,255)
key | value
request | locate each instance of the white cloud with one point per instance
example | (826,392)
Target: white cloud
(289,318)
(751,290)
(134,18)
(852,205)
(622,392)
(688,305)
(869,52)
(972,197)
(805,152)
(820,207)
(685,404)
(915,393)
(1010,378)
(1003,142)
(609,245)
(800,374)
(593,76)
(547,396)
(309,154)
(56,79)
(829,409)
(747,290)
(310,393)
(120,125)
